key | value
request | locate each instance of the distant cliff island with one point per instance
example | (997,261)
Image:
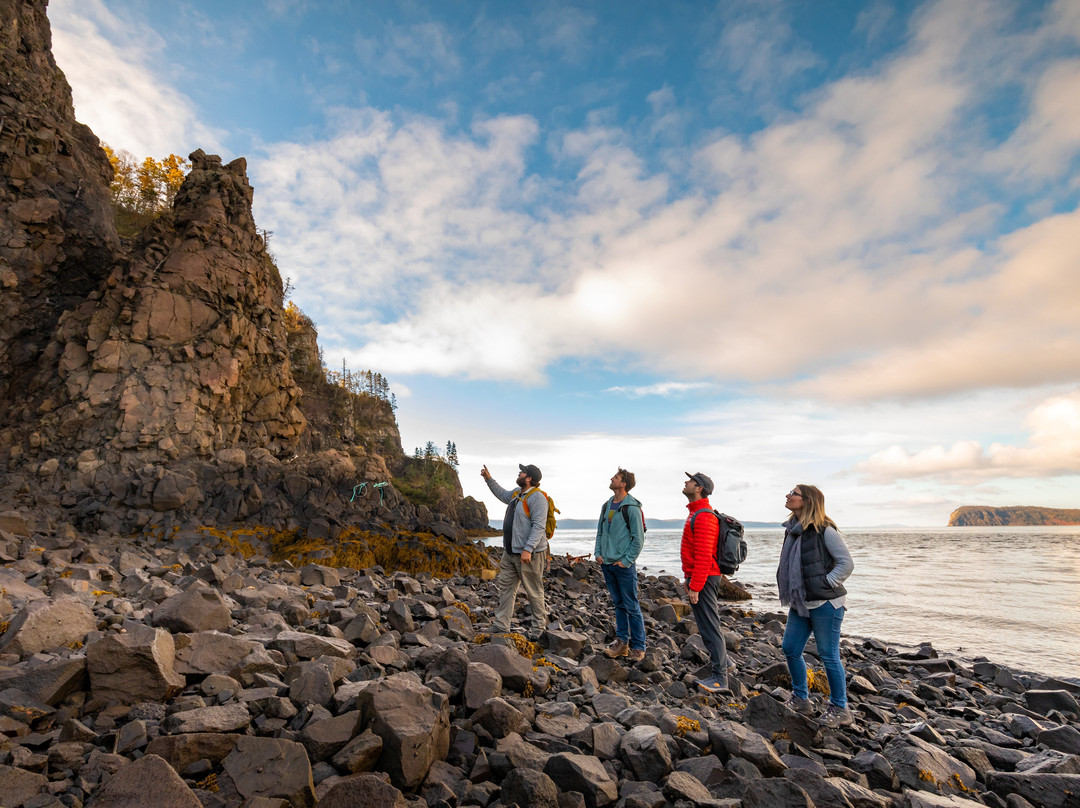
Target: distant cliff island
(977,515)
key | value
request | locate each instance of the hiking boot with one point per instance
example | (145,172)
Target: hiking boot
(836,717)
(637,654)
(713,684)
(802,706)
(619,648)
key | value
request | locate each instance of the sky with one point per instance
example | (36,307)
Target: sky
(830,242)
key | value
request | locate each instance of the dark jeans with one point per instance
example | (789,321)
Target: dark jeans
(622,586)
(824,622)
(707,617)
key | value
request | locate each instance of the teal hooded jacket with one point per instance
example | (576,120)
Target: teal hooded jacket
(614,542)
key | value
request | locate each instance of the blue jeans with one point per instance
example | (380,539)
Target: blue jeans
(825,622)
(622,586)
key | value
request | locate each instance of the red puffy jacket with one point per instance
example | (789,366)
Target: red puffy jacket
(698,548)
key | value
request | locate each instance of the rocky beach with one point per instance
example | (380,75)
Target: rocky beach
(204,603)
(175,672)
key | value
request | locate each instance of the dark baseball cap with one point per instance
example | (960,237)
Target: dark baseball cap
(699,478)
(531,471)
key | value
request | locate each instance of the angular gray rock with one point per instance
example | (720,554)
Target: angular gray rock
(516,671)
(360,754)
(193,611)
(413,722)
(482,682)
(146,781)
(43,625)
(270,767)
(363,791)
(646,752)
(135,665)
(1044,790)
(501,718)
(529,788)
(584,774)
(18,785)
(226,718)
(731,739)
(924,767)
(311,646)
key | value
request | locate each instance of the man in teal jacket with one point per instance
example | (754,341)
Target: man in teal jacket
(620,535)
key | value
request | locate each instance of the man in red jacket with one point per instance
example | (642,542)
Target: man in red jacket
(700,533)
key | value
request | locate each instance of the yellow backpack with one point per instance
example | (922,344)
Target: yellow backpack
(549,525)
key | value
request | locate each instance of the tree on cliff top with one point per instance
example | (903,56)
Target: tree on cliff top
(142,190)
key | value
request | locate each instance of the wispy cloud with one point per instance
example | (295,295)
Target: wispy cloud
(660,389)
(115,81)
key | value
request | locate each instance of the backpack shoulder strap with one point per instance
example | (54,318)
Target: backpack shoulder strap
(696,514)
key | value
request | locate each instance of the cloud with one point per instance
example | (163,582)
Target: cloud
(1053,449)
(112,66)
(660,389)
(425,52)
(846,252)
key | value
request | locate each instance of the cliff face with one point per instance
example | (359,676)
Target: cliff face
(151,384)
(57,239)
(1020,515)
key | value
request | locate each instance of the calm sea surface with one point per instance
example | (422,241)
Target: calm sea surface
(1009,594)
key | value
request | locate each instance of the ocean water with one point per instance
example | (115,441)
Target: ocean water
(1009,594)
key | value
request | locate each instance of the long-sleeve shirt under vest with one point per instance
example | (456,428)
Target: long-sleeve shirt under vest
(528,533)
(614,540)
(698,549)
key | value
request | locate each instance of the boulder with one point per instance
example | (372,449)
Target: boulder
(43,625)
(271,767)
(134,665)
(363,791)
(51,682)
(192,611)
(226,718)
(482,682)
(413,722)
(646,752)
(500,718)
(924,767)
(209,652)
(584,774)
(360,754)
(529,788)
(731,739)
(146,781)
(1044,790)
(1043,701)
(323,738)
(516,671)
(311,646)
(1063,738)
(18,785)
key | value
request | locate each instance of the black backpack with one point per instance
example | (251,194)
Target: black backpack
(731,547)
(626,515)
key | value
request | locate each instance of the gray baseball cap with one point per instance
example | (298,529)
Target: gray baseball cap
(531,471)
(699,478)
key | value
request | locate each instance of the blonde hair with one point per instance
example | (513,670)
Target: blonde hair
(813,516)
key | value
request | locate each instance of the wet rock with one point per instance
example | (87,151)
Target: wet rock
(43,625)
(133,666)
(413,723)
(146,781)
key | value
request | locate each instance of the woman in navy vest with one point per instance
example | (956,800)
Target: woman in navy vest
(814,563)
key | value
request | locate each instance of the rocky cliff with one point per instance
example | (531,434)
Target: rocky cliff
(1019,515)
(151,383)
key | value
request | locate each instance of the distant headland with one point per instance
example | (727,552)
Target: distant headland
(978,515)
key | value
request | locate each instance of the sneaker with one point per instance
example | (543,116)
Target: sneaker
(637,654)
(714,684)
(802,706)
(836,717)
(617,649)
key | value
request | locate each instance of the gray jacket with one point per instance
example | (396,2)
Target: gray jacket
(529,532)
